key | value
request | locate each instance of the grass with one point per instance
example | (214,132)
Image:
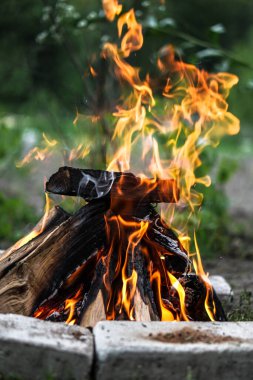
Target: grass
(244,311)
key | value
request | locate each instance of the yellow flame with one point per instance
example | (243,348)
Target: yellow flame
(181,293)
(155,144)
(39,153)
(195,116)
(36,232)
(111,8)
(70,304)
(198,266)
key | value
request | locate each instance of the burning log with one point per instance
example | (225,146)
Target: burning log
(94,304)
(176,257)
(54,308)
(36,272)
(117,186)
(144,300)
(115,258)
(196,294)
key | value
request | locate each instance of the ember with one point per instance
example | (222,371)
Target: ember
(117,257)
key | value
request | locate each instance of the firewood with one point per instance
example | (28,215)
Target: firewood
(94,304)
(144,301)
(52,308)
(117,186)
(95,312)
(176,258)
(195,296)
(30,280)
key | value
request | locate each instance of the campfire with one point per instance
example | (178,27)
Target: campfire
(124,255)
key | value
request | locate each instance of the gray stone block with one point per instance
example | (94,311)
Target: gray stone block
(223,291)
(174,350)
(31,349)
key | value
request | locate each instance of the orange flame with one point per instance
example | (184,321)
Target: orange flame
(210,309)
(155,144)
(34,233)
(133,39)
(195,115)
(70,304)
(111,9)
(39,154)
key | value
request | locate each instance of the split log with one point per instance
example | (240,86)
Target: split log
(53,308)
(95,184)
(144,300)
(30,280)
(94,302)
(130,258)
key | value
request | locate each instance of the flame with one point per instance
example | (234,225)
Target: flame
(39,153)
(111,8)
(157,145)
(80,152)
(133,39)
(195,116)
(131,231)
(35,232)
(166,314)
(70,304)
(210,309)
(181,293)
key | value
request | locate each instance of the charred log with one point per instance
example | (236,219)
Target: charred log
(94,303)
(117,186)
(195,292)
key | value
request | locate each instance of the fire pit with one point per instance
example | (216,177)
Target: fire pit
(114,259)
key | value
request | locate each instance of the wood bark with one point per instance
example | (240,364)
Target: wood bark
(31,279)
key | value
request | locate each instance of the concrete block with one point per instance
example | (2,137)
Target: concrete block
(223,291)
(31,349)
(173,350)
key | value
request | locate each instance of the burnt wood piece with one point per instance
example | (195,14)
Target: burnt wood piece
(122,259)
(195,295)
(30,280)
(176,258)
(117,186)
(52,309)
(94,309)
(20,249)
(144,302)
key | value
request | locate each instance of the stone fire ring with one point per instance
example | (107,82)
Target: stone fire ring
(32,349)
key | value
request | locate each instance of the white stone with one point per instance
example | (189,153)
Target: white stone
(138,351)
(222,289)
(31,349)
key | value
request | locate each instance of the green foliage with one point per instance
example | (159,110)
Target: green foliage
(226,169)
